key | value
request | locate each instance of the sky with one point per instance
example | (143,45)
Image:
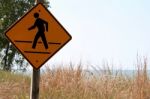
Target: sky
(116,31)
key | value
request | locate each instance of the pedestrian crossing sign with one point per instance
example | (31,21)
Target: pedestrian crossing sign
(38,35)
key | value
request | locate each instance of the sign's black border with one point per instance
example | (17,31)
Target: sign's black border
(54,19)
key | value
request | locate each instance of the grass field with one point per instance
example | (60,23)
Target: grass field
(73,83)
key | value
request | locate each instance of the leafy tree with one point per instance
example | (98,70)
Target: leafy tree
(10,11)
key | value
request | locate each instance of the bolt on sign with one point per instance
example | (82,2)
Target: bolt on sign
(38,35)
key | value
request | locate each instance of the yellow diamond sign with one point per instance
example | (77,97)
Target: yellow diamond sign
(38,35)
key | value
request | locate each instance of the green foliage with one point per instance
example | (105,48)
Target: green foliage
(11,11)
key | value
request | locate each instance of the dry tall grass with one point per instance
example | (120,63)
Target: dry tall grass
(74,83)
(14,86)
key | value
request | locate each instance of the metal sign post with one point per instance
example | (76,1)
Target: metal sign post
(35,80)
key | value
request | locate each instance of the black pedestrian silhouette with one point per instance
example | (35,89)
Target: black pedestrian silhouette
(41,25)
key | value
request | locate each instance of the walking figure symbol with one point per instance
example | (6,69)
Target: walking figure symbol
(41,25)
